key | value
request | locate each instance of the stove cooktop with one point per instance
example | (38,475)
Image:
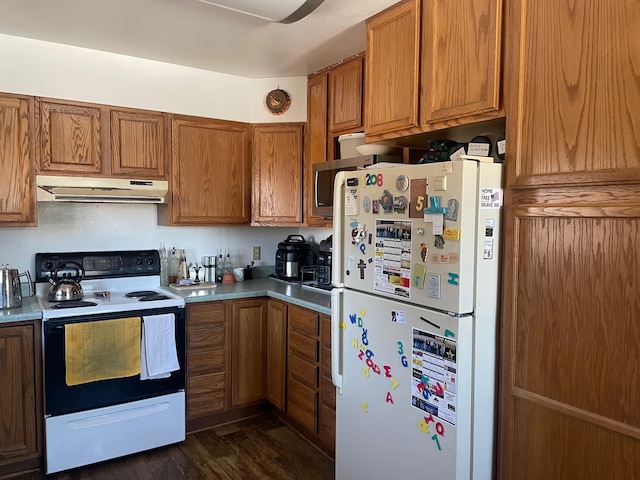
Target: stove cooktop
(116,281)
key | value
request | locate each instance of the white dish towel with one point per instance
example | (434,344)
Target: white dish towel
(158,354)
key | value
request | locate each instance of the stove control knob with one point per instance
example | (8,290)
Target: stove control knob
(138,261)
(150,261)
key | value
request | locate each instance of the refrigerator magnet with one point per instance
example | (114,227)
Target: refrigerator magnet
(366,204)
(451,234)
(361,266)
(402,183)
(417,197)
(386,201)
(400,204)
(424,251)
(419,272)
(452,210)
(433,285)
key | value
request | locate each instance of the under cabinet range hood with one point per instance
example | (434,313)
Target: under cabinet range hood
(100,190)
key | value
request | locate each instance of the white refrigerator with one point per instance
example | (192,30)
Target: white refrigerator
(414,309)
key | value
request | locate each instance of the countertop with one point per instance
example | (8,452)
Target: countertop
(319,301)
(30,310)
(262,287)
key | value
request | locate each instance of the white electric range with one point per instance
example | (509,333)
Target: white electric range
(89,421)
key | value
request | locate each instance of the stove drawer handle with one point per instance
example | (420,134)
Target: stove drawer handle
(57,328)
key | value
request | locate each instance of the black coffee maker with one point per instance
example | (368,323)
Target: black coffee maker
(323,267)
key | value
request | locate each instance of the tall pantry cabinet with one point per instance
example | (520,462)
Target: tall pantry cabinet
(570,336)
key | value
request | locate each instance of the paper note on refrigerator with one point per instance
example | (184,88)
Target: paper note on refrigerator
(434,386)
(351,202)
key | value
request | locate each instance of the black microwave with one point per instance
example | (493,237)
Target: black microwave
(324,174)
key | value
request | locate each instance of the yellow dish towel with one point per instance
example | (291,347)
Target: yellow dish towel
(102,350)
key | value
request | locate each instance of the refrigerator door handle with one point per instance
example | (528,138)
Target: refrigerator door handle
(336,337)
(338,220)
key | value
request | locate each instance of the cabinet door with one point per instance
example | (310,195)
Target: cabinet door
(17,190)
(461,57)
(277,353)
(70,141)
(573,107)
(277,174)
(138,144)
(210,172)
(392,68)
(345,92)
(248,351)
(316,141)
(20,420)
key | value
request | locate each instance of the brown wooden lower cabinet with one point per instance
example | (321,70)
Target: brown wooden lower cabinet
(242,353)
(248,351)
(20,397)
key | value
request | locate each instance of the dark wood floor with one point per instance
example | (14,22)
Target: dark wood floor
(258,448)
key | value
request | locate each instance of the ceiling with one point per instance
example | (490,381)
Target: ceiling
(196,34)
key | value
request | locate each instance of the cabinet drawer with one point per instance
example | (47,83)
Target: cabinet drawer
(205,338)
(304,371)
(205,315)
(325,331)
(303,321)
(302,404)
(327,391)
(202,363)
(305,347)
(326,362)
(205,394)
(327,426)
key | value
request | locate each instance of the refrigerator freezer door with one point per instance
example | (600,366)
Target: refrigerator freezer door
(405,407)
(411,232)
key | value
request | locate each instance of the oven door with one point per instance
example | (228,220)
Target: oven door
(61,398)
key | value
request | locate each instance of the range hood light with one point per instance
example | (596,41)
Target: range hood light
(282,11)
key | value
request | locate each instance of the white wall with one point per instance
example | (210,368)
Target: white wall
(46,69)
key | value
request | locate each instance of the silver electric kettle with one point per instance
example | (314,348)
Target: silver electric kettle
(11,288)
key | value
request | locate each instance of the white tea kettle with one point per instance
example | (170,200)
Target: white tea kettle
(11,288)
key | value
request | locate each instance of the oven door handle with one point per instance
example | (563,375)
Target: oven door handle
(57,328)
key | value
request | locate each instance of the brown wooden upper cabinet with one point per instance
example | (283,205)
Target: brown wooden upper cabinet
(334,108)
(345,94)
(210,173)
(17,190)
(78,138)
(432,64)
(277,174)
(571,106)
(316,141)
(138,143)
